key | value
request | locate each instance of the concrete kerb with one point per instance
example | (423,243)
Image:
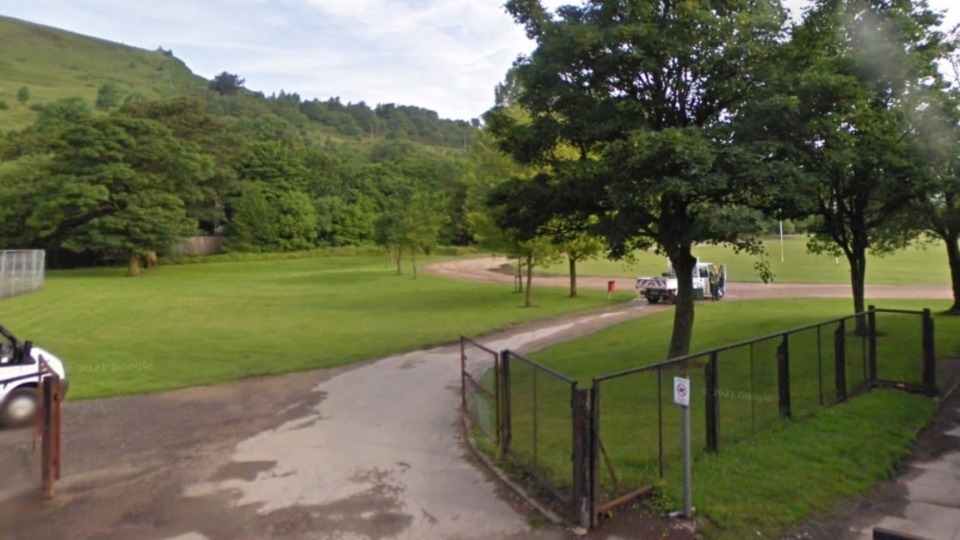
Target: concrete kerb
(502,476)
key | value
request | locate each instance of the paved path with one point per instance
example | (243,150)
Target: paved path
(383,449)
(487,269)
(931,497)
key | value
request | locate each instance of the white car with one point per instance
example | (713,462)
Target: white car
(19,378)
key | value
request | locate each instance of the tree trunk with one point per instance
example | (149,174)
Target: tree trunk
(858,272)
(413,260)
(519,274)
(133,265)
(529,300)
(573,277)
(152,259)
(399,258)
(953,255)
(683,263)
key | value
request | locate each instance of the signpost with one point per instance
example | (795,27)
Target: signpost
(681,396)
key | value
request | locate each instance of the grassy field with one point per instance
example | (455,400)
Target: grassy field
(762,488)
(748,392)
(926,266)
(200,324)
(56,64)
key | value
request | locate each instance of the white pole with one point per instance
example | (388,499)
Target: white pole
(781,241)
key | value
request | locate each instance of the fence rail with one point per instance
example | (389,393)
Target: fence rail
(592,449)
(21,271)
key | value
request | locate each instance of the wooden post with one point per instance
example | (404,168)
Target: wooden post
(47,462)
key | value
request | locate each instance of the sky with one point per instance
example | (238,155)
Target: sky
(443,55)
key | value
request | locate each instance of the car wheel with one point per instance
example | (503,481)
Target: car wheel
(20,408)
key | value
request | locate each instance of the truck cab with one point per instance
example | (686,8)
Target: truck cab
(20,375)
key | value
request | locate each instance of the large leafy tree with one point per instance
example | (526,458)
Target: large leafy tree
(642,91)
(840,130)
(189,120)
(117,185)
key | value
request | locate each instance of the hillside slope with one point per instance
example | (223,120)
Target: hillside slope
(55,64)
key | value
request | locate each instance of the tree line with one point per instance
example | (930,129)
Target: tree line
(124,182)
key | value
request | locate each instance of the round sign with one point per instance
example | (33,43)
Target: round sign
(681,391)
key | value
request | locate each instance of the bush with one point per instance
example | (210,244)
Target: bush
(3,105)
(36,107)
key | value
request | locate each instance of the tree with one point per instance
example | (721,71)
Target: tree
(189,120)
(108,96)
(52,121)
(642,92)
(937,212)
(23,94)
(411,222)
(578,245)
(226,84)
(253,226)
(114,185)
(269,219)
(858,71)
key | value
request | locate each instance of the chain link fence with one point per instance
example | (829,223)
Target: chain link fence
(21,271)
(591,450)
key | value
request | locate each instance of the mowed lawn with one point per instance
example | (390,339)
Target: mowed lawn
(199,324)
(914,265)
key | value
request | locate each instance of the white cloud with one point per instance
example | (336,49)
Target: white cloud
(439,54)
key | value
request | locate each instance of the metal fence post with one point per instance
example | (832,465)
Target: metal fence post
(840,360)
(872,344)
(497,396)
(712,403)
(582,502)
(929,355)
(594,454)
(463,374)
(47,458)
(505,427)
(783,376)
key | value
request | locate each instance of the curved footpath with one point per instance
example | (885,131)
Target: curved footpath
(367,451)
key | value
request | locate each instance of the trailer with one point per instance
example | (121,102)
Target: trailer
(664,288)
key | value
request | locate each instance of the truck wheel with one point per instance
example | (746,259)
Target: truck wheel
(653,299)
(19,408)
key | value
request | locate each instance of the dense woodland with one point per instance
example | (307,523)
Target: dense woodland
(121,177)
(632,125)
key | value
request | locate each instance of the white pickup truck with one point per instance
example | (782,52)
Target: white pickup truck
(20,376)
(655,289)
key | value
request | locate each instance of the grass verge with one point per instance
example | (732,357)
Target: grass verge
(762,487)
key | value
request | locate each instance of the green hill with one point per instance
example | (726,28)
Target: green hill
(55,64)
